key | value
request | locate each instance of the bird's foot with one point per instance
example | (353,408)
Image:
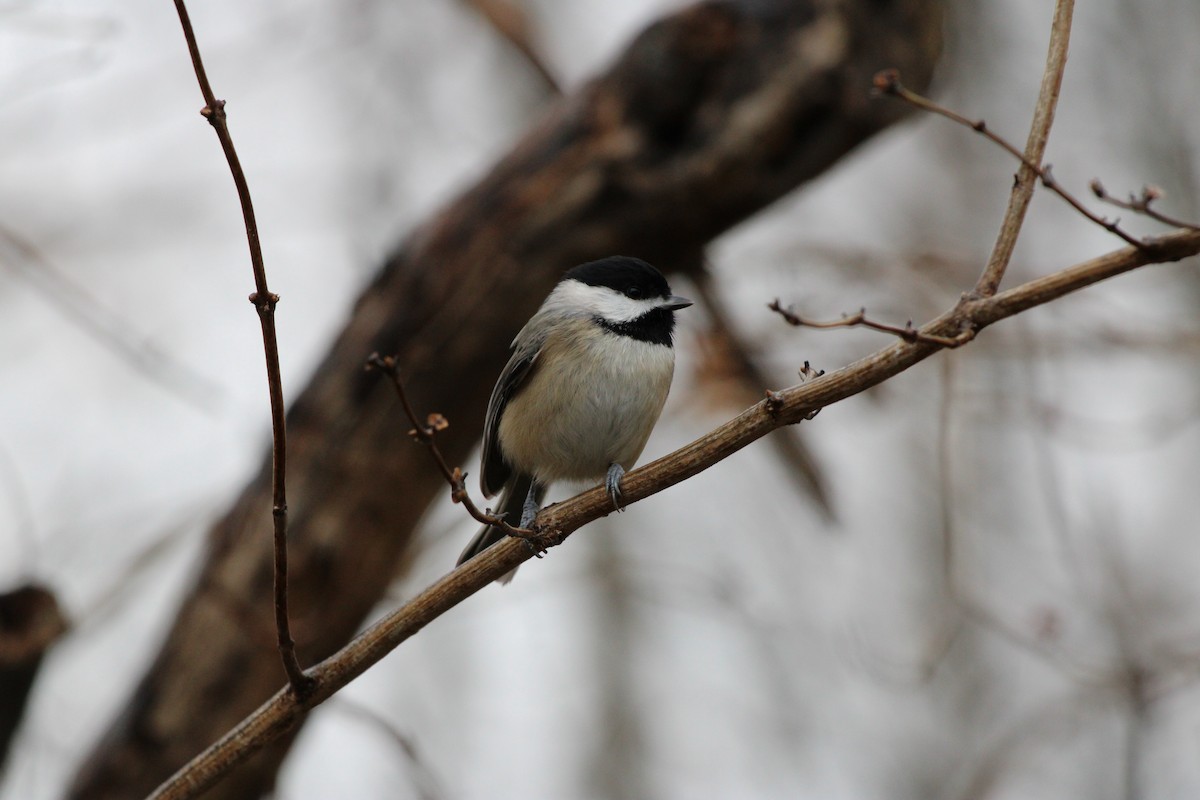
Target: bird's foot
(537,539)
(534,544)
(529,510)
(612,482)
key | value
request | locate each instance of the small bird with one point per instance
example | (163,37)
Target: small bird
(587,380)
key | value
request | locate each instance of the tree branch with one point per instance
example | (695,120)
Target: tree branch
(30,623)
(1141,204)
(426,433)
(888,82)
(860,319)
(710,114)
(1035,148)
(264,303)
(789,406)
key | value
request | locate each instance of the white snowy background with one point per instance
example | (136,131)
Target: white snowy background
(722,639)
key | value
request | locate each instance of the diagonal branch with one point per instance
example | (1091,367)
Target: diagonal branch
(888,82)
(283,711)
(426,433)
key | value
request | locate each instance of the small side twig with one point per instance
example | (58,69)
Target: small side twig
(264,303)
(1140,204)
(793,449)
(426,434)
(888,82)
(908,333)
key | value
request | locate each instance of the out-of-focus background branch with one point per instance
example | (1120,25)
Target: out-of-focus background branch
(827,665)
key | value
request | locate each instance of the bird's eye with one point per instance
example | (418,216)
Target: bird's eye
(633,292)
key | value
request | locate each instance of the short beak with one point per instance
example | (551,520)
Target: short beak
(675,302)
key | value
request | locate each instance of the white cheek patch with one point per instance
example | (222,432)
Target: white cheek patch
(573,297)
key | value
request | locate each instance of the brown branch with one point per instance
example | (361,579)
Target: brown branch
(1141,204)
(888,82)
(284,711)
(264,303)
(908,333)
(30,623)
(1035,148)
(426,434)
(729,104)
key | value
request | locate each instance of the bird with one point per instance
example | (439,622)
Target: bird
(586,383)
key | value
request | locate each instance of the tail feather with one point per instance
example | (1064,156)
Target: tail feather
(512,500)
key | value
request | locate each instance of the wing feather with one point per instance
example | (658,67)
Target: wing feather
(495,470)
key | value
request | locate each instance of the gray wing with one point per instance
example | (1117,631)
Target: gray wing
(495,470)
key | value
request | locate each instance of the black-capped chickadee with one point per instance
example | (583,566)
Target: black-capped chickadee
(588,377)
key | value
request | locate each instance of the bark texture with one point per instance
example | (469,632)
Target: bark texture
(707,117)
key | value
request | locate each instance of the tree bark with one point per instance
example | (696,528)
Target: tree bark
(30,622)
(707,117)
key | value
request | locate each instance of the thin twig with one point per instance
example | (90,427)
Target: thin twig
(284,710)
(1035,149)
(426,433)
(1140,204)
(888,82)
(264,303)
(908,333)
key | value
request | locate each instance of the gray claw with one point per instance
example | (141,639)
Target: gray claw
(612,482)
(530,508)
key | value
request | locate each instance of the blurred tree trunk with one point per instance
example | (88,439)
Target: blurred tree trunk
(707,117)
(30,622)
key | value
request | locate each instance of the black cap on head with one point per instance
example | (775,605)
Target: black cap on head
(631,277)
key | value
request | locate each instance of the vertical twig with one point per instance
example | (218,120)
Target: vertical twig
(1035,148)
(264,303)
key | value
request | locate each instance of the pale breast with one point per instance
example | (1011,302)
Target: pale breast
(591,401)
